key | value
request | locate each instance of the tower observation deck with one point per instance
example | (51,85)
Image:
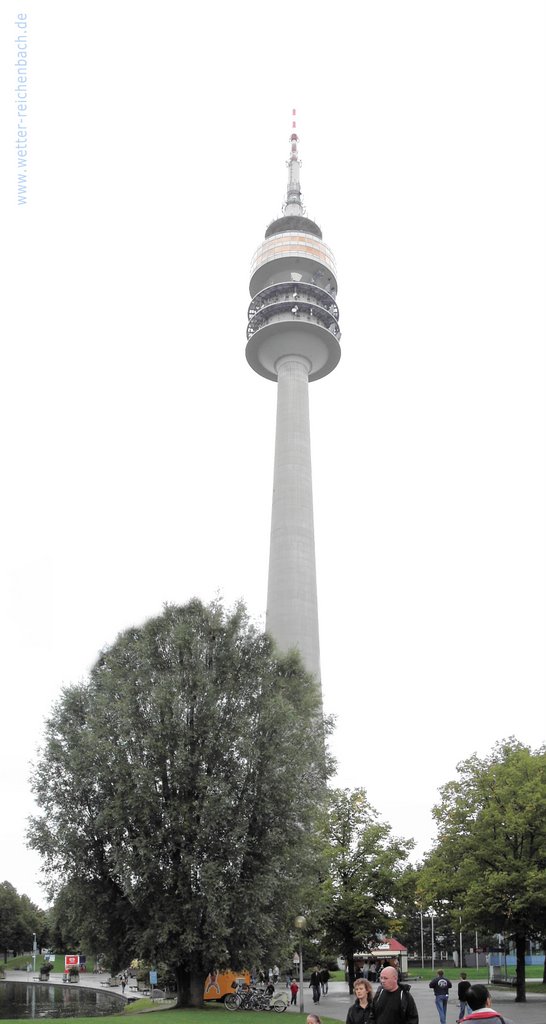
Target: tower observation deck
(293,338)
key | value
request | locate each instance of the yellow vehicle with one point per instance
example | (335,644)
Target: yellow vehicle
(218,984)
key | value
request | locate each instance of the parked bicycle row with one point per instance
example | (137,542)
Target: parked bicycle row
(252,997)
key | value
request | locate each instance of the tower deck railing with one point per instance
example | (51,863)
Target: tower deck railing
(295,312)
(286,291)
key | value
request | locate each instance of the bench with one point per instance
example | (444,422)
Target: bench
(139,986)
(504,981)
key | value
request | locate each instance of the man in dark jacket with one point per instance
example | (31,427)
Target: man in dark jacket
(462,989)
(393,1003)
(314,983)
(360,1011)
(441,988)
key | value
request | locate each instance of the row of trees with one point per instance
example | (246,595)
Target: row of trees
(189,819)
(488,866)
(20,918)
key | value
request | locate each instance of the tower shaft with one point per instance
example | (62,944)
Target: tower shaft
(292,613)
(293,338)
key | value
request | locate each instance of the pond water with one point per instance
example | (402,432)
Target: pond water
(24,1000)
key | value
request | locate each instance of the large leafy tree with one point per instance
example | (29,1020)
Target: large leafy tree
(178,786)
(490,855)
(364,879)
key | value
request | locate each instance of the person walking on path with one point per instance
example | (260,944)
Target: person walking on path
(294,989)
(324,979)
(441,988)
(393,1003)
(479,1001)
(462,989)
(361,1010)
(314,983)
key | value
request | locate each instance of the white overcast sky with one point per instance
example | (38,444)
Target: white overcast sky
(137,444)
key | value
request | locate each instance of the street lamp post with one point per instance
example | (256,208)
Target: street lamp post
(300,923)
(422,943)
(34,951)
(432,939)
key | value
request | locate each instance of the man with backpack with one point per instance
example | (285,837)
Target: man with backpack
(441,988)
(393,1002)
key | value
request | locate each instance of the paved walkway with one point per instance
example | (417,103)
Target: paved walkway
(338,1000)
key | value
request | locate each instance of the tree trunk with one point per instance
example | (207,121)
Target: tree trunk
(189,988)
(544,968)
(520,967)
(350,962)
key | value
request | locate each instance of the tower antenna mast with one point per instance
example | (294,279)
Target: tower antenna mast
(293,202)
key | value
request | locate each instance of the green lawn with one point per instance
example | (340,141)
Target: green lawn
(472,973)
(22,961)
(194,1016)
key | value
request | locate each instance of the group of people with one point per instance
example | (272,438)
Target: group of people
(474,1000)
(320,976)
(393,1002)
(371,968)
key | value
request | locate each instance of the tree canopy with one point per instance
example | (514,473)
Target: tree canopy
(177,788)
(20,918)
(490,855)
(366,867)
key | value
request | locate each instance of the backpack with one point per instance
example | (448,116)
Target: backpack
(403,1000)
(478,1015)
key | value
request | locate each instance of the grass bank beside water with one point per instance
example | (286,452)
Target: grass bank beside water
(170,1016)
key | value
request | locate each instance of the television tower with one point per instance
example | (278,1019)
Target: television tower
(293,338)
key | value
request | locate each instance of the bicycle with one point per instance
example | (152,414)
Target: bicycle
(240,999)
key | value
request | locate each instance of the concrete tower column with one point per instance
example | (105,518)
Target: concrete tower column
(293,338)
(292,612)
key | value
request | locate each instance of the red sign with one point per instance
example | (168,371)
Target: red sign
(71,961)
